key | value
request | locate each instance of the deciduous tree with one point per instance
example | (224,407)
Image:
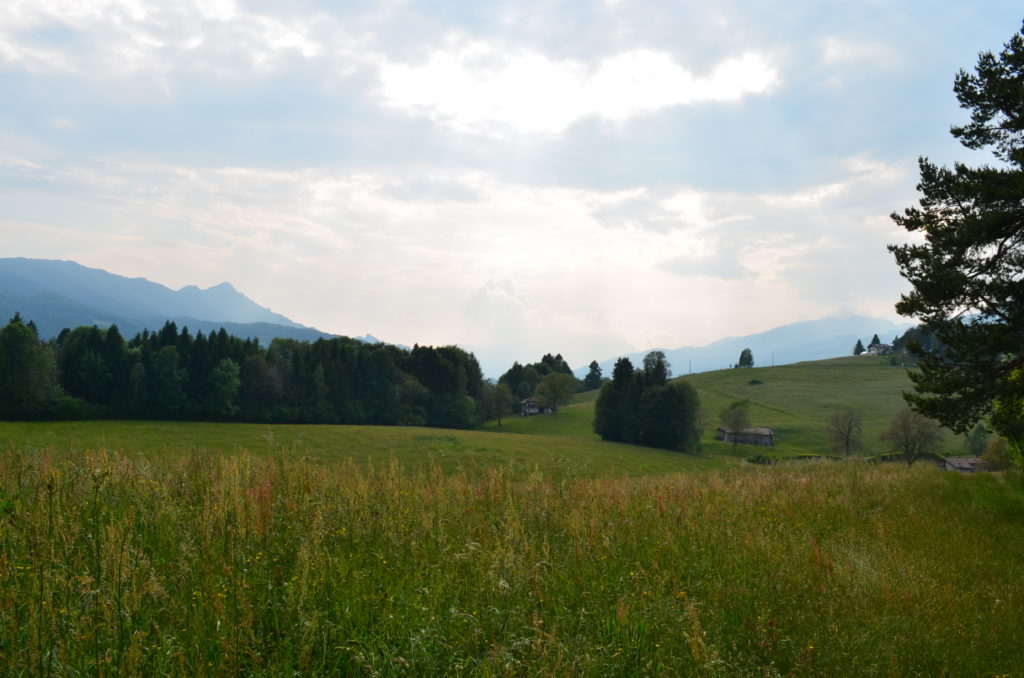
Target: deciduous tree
(912,435)
(844,433)
(657,369)
(497,400)
(555,389)
(996,455)
(28,372)
(735,418)
(746,358)
(224,382)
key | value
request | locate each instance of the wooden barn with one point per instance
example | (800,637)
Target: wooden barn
(748,436)
(963,464)
(531,406)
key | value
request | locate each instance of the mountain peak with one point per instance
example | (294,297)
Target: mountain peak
(115,295)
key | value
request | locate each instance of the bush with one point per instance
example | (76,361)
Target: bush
(997,455)
(66,407)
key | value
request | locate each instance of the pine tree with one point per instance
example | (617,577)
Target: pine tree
(968,287)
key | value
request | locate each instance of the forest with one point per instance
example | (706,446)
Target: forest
(89,372)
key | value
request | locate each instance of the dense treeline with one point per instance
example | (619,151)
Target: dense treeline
(171,374)
(523,379)
(642,407)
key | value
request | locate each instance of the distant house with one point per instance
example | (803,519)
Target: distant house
(878,349)
(531,406)
(963,464)
(747,436)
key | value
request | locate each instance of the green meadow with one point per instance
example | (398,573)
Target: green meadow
(413,449)
(794,400)
(166,549)
(798,400)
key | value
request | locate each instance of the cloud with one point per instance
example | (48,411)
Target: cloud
(428,189)
(640,209)
(123,38)
(507,326)
(431,255)
(476,86)
(724,263)
(544,177)
(499,314)
(836,50)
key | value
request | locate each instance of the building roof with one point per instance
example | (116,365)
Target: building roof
(760,430)
(965,463)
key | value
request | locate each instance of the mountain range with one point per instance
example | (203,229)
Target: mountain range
(59,294)
(796,342)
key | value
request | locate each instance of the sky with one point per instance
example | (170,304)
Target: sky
(583,178)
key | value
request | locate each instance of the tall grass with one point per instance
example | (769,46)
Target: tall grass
(133,564)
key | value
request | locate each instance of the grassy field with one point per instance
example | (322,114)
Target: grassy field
(226,564)
(472,452)
(178,549)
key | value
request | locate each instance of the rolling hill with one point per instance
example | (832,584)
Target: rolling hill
(795,400)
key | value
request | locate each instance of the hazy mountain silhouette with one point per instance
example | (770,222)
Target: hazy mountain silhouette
(59,294)
(797,342)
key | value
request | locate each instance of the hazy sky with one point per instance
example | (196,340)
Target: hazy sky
(578,177)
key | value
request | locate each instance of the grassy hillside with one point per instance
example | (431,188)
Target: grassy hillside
(798,400)
(795,400)
(575,419)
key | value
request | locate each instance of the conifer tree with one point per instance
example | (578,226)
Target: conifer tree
(968,272)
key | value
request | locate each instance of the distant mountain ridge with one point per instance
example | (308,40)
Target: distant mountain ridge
(58,294)
(796,342)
